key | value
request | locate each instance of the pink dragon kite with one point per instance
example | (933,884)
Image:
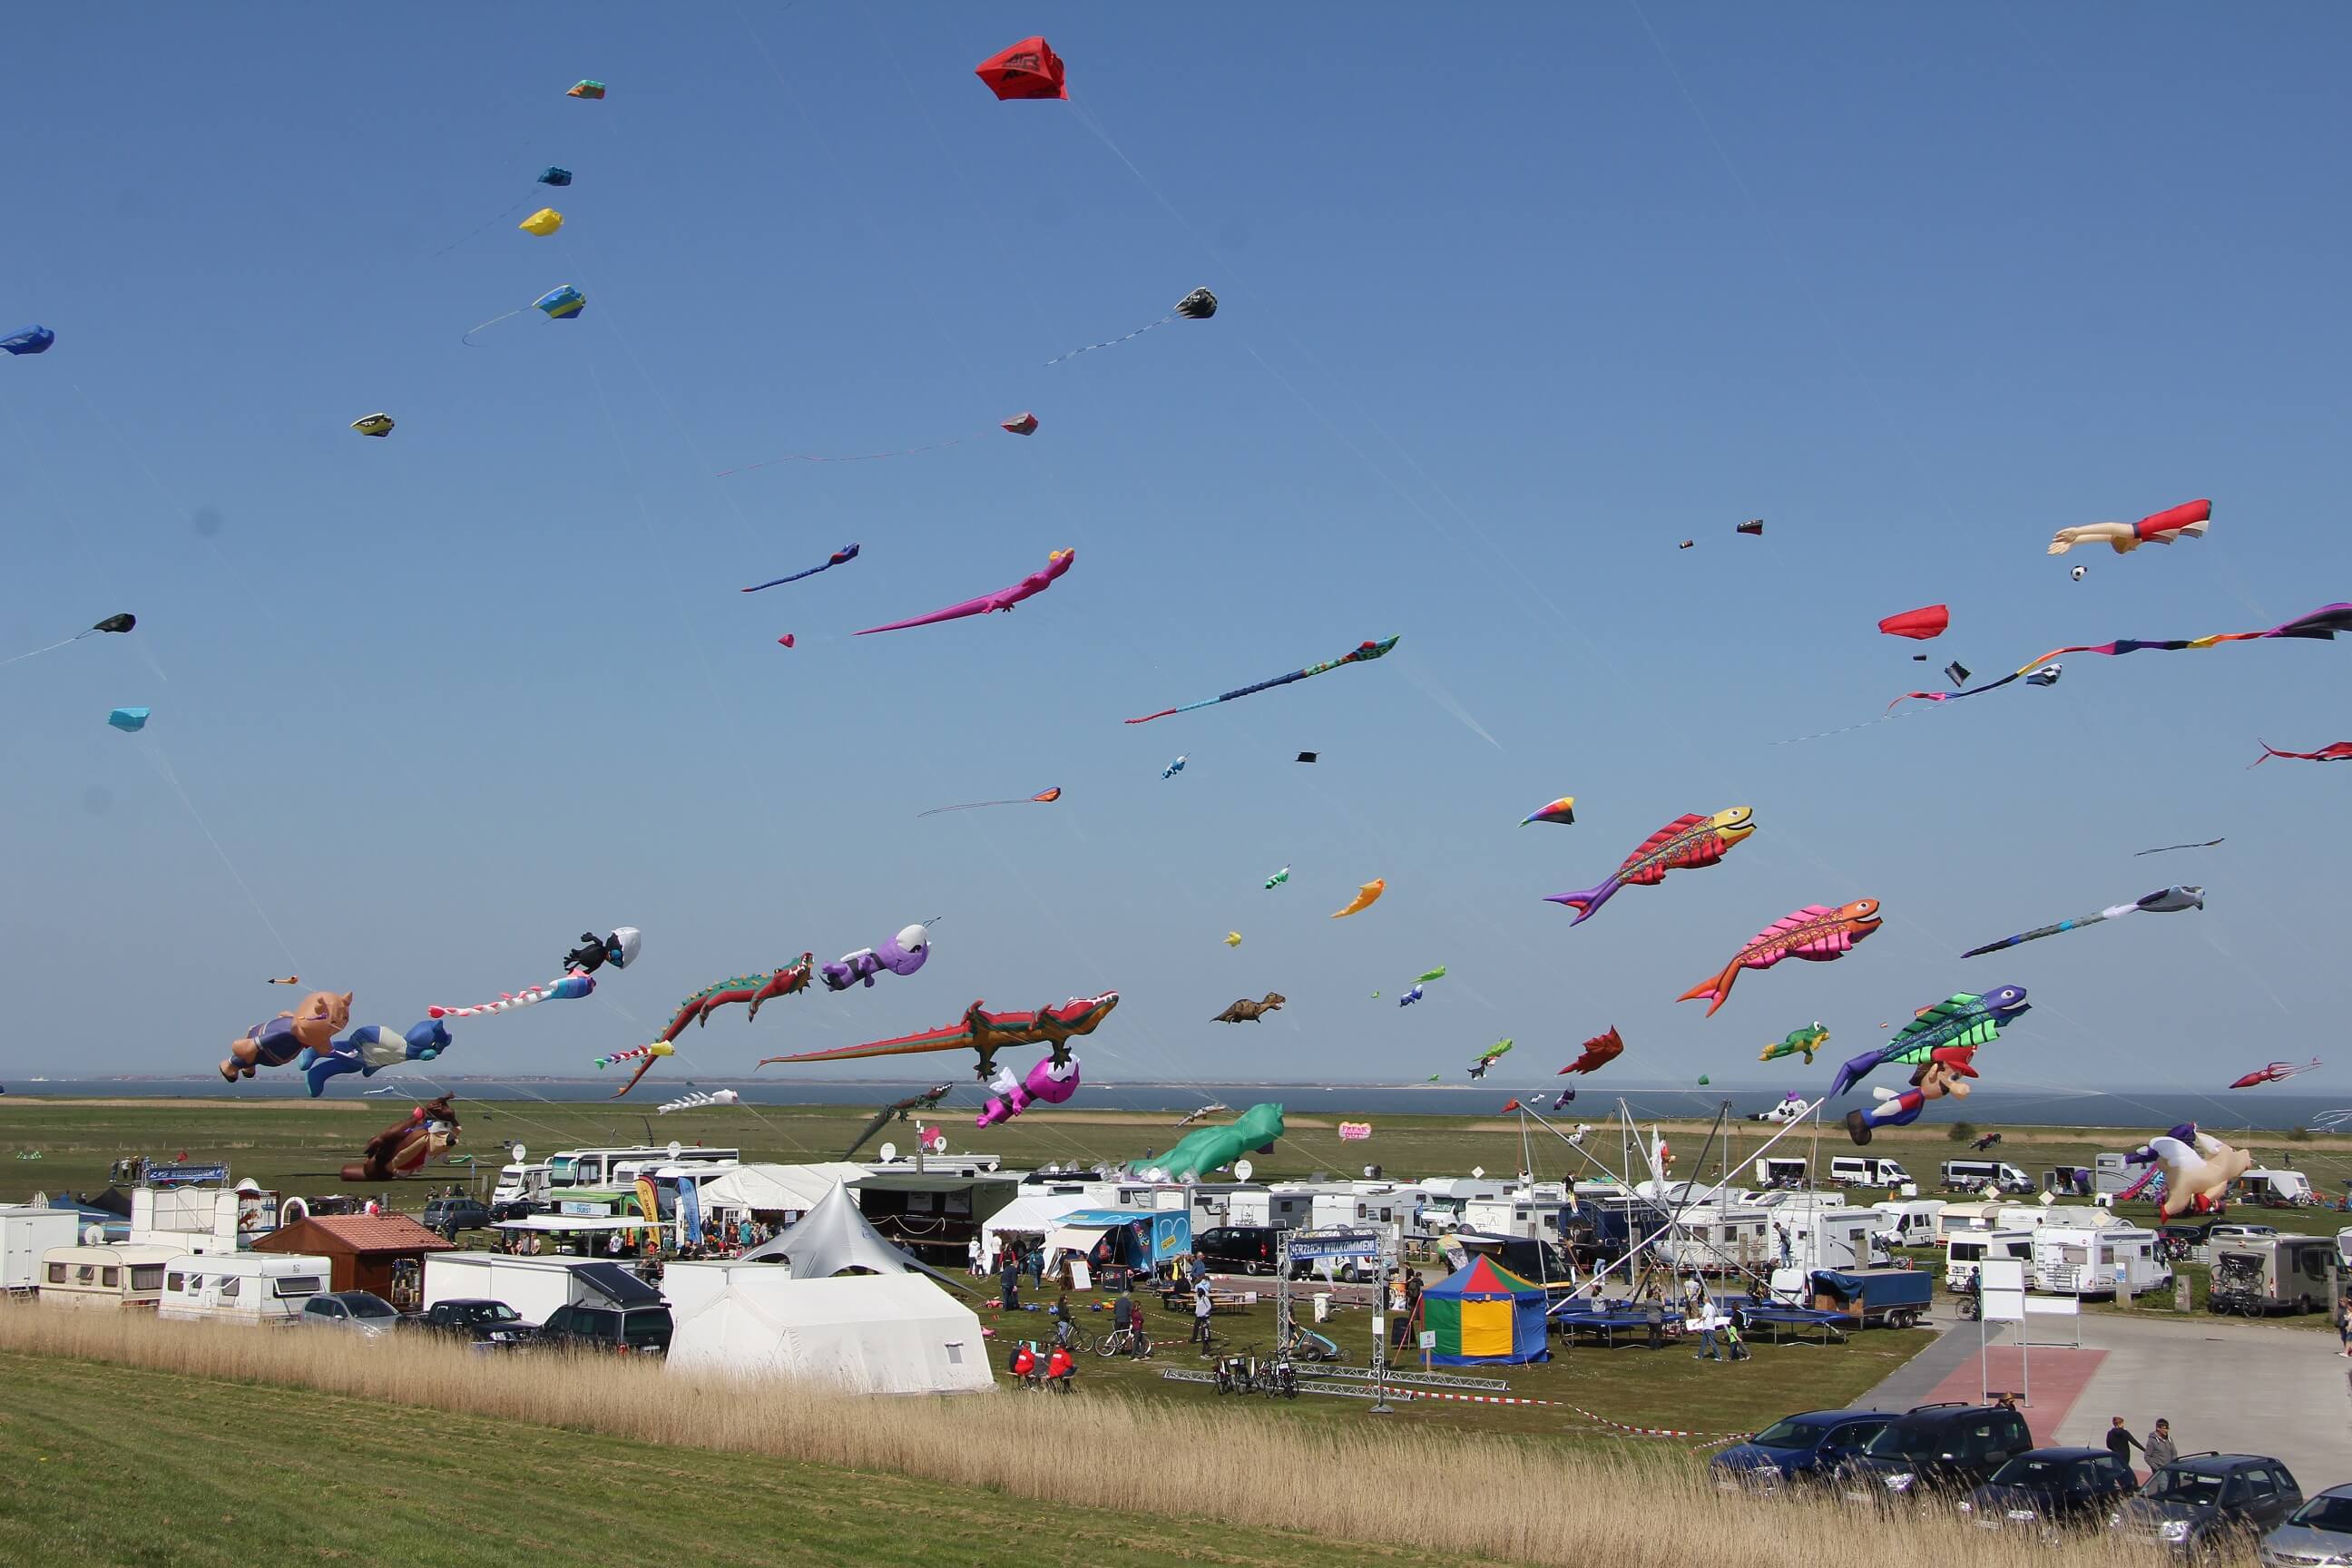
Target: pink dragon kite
(1029,587)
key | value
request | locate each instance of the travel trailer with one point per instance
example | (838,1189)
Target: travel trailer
(105,1277)
(252,1287)
(2276,1186)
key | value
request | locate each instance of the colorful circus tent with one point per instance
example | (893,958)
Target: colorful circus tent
(1484,1314)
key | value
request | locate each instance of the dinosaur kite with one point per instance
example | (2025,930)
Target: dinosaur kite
(1248,1012)
(1029,587)
(986,1033)
(1215,1148)
(898,1109)
(754,989)
(2340,751)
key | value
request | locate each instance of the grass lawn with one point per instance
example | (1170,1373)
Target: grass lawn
(117,1466)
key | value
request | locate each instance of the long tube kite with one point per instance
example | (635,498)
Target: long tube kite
(1029,587)
(985,1033)
(2339,751)
(2163,901)
(2319,626)
(1362,653)
(842,556)
(1042,797)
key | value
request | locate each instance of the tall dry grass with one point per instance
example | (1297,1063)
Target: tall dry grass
(1241,1466)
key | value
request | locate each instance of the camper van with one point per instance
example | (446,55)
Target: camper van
(107,1278)
(2276,1186)
(1868,1171)
(2260,1275)
(1909,1221)
(2112,1172)
(2071,1260)
(1277,1211)
(1985,1176)
(1780,1170)
(1965,1250)
(253,1287)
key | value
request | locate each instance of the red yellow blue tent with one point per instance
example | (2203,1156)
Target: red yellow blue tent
(1484,1314)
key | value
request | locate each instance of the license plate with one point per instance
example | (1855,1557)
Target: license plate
(2026,1515)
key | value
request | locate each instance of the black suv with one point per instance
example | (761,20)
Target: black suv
(1796,1450)
(1933,1448)
(477,1319)
(450,1216)
(2203,1503)
(2048,1488)
(646,1329)
(1238,1248)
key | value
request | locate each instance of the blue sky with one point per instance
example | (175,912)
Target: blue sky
(1509,310)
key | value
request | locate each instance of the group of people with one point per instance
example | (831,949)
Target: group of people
(2158,1447)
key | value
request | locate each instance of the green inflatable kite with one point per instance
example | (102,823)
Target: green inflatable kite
(1213,1148)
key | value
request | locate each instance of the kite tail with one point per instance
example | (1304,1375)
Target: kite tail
(1586,901)
(1111,343)
(468,338)
(2267,753)
(1713,991)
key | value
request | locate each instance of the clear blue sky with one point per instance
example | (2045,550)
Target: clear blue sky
(1508,310)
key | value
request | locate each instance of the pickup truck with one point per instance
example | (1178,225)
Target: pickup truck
(1893,1298)
(475,1318)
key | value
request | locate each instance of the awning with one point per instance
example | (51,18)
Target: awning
(1080,1238)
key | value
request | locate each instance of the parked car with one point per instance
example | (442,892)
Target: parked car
(515,1208)
(2320,1532)
(361,1313)
(1946,1449)
(2047,1490)
(2202,1502)
(475,1318)
(1238,1248)
(2223,1231)
(1796,1450)
(450,1216)
(646,1329)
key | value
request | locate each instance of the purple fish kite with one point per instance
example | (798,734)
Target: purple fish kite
(1029,587)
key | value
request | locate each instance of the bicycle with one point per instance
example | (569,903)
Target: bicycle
(1132,1342)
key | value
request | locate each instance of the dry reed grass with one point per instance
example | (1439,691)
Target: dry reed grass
(1240,1466)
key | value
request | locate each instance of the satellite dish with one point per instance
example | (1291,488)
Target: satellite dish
(675,1149)
(93,1236)
(520,1153)
(1243,1170)
(889,1152)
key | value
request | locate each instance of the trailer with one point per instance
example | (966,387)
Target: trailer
(2276,1187)
(107,1278)
(25,1234)
(1871,1297)
(251,1287)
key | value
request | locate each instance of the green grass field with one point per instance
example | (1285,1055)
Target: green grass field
(110,1465)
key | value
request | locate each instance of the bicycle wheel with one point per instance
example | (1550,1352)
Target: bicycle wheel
(1110,1344)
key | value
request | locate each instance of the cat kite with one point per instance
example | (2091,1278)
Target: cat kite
(2321,625)
(1598,1053)
(1363,653)
(1042,797)
(1562,811)
(2163,901)
(1366,897)
(2277,1072)
(2189,520)
(842,556)
(1815,933)
(2339,751)
(1029,587)
(1688,841)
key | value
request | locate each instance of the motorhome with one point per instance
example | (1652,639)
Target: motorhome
(1805,1236)
(1350,1209)
(2112,1172)
(2276,1186)
(1782,1171)
(1954,1219)
(2263,1274)
(1868,1171)
(1965,1250)
(25,1234)
(1909,1221)
(251,1288)
(2071,1260)
(108,1278)
(601,1167)
(1707,1239)
(1261,1207)
(1986,1176)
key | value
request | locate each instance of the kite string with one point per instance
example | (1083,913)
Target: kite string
(468,338)
(153,749)
(51,648)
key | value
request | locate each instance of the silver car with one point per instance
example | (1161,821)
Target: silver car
(2316,1535)
(361,1312)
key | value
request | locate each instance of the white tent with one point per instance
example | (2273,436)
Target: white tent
(863,1333)
(776,1189)
(1034,1215)
(834,1238)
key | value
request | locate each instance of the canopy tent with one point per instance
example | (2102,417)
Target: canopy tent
(890,1333)
(1139,1238)
(1033,1213)
(775,1189)
(1484,1314)
(834,1236)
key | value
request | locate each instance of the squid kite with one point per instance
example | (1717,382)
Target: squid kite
(1366,897)
(2277,1072)
(1689,840)
(2321,625)
(1599,1052)
(1029,587)
(1815,933)
(1363,653)
(698,1101)
(1562,811)
(1042,797)
(985,1033)
(2163,901)
(1488,1058)
(842,556)
(2339,751)
(1197,306)
(1966,1019)
(1805,1037)
(2158,528)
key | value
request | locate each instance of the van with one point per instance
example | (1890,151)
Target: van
(1868,1171)
(1993,1176)
(1909,1222)
(2261,1275)
(108,1278)
(1965,1250)
(263,1288)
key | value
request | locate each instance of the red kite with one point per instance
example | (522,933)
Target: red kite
(1030,68)
(1920,623)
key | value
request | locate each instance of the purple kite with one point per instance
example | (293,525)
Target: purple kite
(847,552)
(1029,587)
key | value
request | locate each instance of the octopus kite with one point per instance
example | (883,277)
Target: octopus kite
(1057,563)
(2277,1072)
(1688,841)
(1815,933)
(2321,625)
(2189,520)
(1599,1052)
(986,1033)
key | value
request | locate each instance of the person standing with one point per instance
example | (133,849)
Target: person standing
(2120,1442)
(971,1251)
(1705,1324)
(2158,1447)
(1201,1308)
(1009,1283)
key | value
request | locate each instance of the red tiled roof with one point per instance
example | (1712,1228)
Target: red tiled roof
(359,1233)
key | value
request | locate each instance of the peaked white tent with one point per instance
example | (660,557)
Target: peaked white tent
(834,1236)
(866,1333)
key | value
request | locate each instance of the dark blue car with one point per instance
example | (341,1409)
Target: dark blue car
(1796,1450)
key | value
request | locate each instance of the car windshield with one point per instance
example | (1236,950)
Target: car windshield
(489,1313)
(2329,1513)
(2195,1488)
(1903,1440)
(370,1306)
(2031,1469)
(1795,1432)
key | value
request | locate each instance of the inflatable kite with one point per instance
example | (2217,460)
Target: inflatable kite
(1042,797)
(404,1148)
(553,175)
(1599,1052)
(1562,811)
(544,221)
(901,954)
(1248,1012)
(569,988)
(1233,939)
(1805,1037)
(1363,653)
(1945,1072)
(378,424)
(309,1027)
(1197,306)
(584,88)
(699,1100)
(2163,901)
(2321,625)
(2167,848)
(986,1033)
(899,1110)
(754,989)
(644,1056)
(34,339)
(2158,528)
(122,622)
(1213,1108)
(1366,897)
(1919,624)
(1412,996)
(1029,587)
(2198,1170)
(284,980)
(1815,933)
(1355,1131)
(846,553)
(2277,1072)
(2046,676)
(1172,769)
(1277,880)
(129,721)
(617,947)
(1687,842)
(1488,1058)
(1563,1100)
(2339,752)
(558,304)
(1429,975)
(1964,1019)
(1029,70)
(368,1050)
(1213,1148)
(1047,1079)
(1019,424)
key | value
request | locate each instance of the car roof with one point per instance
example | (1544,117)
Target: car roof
(2225,1461)
(2064,1453)
(1841,1416)
(2344,1489)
